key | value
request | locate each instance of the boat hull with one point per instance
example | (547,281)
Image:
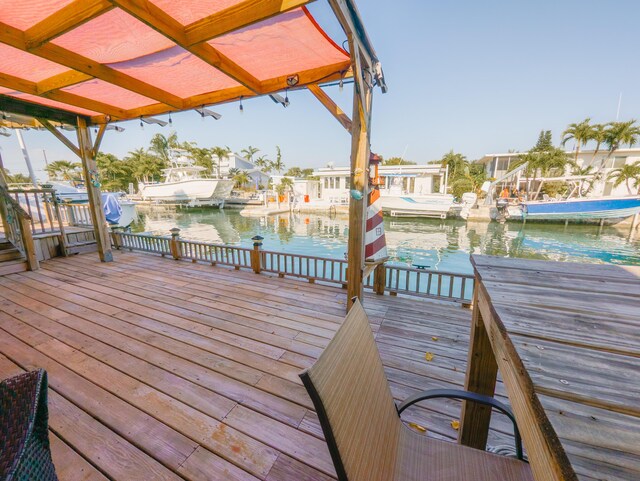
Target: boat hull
(436,205)
(582,209)
(194,190)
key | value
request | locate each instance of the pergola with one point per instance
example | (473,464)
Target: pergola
(92,62)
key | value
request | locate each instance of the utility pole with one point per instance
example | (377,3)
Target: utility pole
(25,154)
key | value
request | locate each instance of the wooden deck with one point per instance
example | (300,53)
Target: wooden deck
(163,369)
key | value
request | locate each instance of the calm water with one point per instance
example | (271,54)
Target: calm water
(443,245)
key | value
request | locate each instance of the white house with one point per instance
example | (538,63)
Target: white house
(235,161)
(497,165)
(305,190)
(409,179)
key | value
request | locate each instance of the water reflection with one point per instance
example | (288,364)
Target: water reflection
(443,245)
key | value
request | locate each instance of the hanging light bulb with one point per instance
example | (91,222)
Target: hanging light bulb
(241,107)
(286,98)
(95,131)
(341,84)
(141,124)
(202,113)
(170,121)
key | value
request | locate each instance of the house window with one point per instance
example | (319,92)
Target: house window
(617,162)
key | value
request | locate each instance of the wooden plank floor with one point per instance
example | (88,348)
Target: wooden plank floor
(171,370)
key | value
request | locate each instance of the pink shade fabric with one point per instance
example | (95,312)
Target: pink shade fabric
(282,45)
(287,44)
(109,94)
(49,103)
(113,37)
(27,66)
(24,14)
(178,72)
(189,11)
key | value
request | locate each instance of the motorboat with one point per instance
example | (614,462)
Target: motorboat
(400,197)
(184,183)
(581,208)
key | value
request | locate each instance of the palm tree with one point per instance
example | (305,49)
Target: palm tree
(161,145)
(241,177)
(262,162)
(581,133)
(618,134)
(220,153)
(249,152)
(598,133)
(277,164)
(626,173)
(144,166)
(63,170)
(115,173)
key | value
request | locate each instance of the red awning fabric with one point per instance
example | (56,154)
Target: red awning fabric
(97,58)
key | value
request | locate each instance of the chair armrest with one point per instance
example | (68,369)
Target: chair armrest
(467,396)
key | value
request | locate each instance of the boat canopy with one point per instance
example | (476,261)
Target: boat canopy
(125,59)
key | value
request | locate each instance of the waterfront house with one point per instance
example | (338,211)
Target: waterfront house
(406,179)
(234,161)
(498,165)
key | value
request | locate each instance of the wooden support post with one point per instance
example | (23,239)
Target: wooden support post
(174,247)
(116,242)
(482,372)
(28,244)
(380,279)
(90,170)
(358,190)
(256,254)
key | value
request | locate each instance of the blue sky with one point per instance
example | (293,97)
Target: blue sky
(476,77)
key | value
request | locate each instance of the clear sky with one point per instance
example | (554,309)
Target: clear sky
(473,76)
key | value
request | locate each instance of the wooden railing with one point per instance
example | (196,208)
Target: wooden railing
(17,228)
(78,215)
(42,207)
(394,279)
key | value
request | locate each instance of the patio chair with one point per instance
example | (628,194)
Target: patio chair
(25,454)
(362,426)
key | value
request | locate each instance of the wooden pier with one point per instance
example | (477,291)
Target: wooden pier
(164,369)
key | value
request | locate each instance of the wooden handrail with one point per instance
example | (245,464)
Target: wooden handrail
(17,223)
(451,286)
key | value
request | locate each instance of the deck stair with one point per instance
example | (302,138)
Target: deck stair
(11,260)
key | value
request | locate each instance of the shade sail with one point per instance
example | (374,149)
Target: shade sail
(122,59)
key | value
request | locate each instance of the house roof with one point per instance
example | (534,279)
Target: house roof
(112,60)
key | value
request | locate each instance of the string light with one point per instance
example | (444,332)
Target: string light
(241,107)
(202,113)
(170,121)
(141,124)
(341,84)
(286,98)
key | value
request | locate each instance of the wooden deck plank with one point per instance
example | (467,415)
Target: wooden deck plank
(195,352)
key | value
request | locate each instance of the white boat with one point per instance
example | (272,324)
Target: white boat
(399,201)
(183,183)
(585,208)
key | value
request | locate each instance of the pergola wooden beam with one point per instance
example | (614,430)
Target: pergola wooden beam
(65,79)
(16,38)
(58,135)
(28,87)
(65,19)
(21,107)
(331,106)
(163,23)
(238,16)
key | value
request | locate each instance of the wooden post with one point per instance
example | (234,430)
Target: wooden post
(256,254)
(380,279)
(175,248)
(482,372)
(27,242)
(115,237)
(90,170)
(362,92)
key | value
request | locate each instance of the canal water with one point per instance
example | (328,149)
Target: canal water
(439,244)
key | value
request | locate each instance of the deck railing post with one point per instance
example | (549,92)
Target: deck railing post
(256,254)
(380,279)
(115,237)
(175,248)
